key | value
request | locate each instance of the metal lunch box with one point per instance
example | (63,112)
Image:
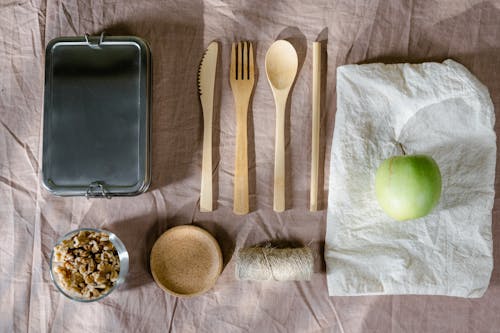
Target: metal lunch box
(97,109)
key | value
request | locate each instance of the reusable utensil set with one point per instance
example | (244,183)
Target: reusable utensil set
(281,65)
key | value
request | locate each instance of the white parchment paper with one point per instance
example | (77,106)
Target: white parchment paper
(438,109)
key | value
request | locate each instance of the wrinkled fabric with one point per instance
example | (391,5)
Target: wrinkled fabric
(436,109)
(178,31)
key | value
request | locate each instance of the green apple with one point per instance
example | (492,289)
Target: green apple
(408,187)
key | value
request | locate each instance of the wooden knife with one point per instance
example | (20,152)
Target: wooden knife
(206,84)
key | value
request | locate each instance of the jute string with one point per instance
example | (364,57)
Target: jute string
(271,263)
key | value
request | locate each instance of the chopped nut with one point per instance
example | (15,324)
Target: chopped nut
(114,276)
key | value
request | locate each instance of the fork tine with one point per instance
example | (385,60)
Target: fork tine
(250,62)
(244,61)
(233,61)
(240,60)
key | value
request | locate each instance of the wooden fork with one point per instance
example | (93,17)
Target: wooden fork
(242,82)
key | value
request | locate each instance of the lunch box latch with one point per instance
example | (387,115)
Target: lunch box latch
(92,44)
(97,190)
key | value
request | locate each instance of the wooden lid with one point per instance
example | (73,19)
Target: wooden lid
(186,261)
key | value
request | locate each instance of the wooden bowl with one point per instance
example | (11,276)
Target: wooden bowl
(186,261)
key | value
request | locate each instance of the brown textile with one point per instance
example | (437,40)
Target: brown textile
(178,31)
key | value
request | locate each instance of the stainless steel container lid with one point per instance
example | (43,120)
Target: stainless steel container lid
(96,131)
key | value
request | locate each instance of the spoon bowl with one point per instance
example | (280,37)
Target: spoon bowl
(281,68)
(281,64)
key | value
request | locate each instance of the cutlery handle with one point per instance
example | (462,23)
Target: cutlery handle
(316,87)
(206,204)
(240,196)
(279,157)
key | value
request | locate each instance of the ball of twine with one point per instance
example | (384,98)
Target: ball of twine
(271,263)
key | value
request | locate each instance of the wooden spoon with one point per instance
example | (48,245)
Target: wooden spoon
(281,69)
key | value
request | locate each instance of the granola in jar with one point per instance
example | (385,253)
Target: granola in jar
(86,264)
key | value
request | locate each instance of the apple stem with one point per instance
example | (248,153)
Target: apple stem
(402,148)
